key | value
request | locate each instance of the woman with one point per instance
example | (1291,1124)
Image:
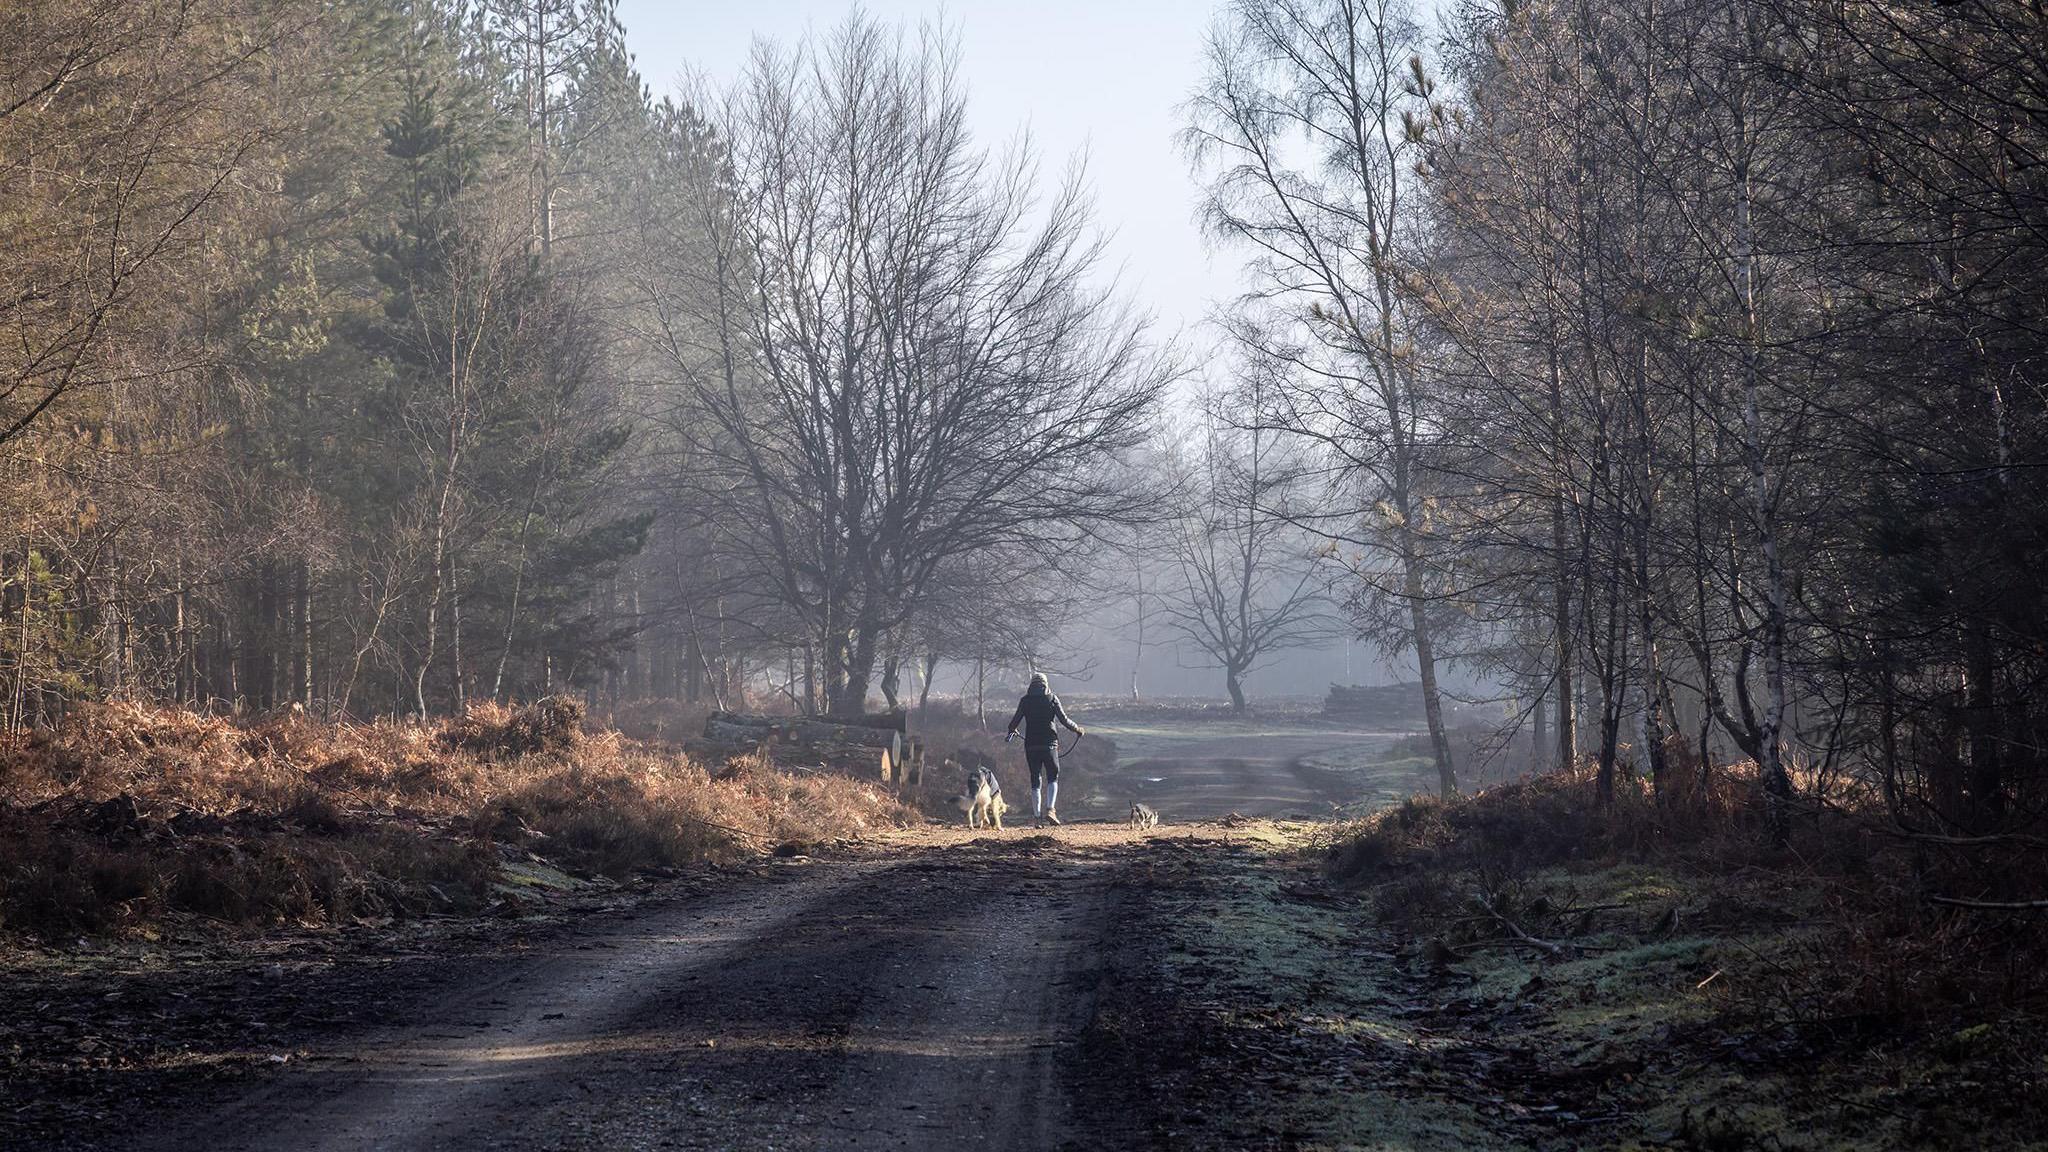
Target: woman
(1037,711)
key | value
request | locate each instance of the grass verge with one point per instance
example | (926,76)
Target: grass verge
(1524,970)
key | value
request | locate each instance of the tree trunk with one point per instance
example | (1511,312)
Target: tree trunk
(1563,675)
(1413,588)
(433,629)
(1235,687)
(1987,779)
(693,675)
(857,670)
(1138,656)
(305,599)
(1561,640)
(1655,727)
(810,701)
(892,679)
(518,589)
(455,639)
(1613,690)
(183,664)
(277,633)
(1888,734)
(1432,702)
(892,668)
(833,657)
(1777,779)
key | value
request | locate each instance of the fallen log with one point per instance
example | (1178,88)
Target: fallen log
(728,732)
(873,732)
(1990,905)
(893,721)
(864,743)
(813,731)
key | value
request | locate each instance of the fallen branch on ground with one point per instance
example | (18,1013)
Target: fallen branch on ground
(1547,947)
(1518,942)
(1990,905)
(1987,841)
(723,827)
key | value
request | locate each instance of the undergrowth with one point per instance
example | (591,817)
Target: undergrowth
(1827,947)
(132,813)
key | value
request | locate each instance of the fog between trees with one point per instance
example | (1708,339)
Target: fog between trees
(1671,364)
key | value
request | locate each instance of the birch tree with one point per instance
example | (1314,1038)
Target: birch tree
(1307,127)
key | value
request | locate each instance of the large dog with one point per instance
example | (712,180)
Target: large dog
(1143,818)
(982,799)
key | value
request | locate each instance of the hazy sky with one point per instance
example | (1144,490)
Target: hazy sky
(1100,78)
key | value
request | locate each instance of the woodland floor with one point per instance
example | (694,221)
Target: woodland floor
(1201,986)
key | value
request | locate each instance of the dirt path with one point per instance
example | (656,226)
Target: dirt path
(930,989)
(919,995)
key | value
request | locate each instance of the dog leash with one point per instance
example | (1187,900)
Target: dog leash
(1070,748)
(1009,736)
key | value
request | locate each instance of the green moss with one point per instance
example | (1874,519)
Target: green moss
(515,875)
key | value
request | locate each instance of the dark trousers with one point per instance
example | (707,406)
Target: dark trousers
(1043,762)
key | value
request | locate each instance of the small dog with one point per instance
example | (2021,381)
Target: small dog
(1143,817)
(982,799)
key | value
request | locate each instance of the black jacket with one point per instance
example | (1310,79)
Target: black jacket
(1037,711)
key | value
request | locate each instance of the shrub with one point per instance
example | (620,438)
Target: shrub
(550,724)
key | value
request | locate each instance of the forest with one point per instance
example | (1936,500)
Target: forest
(385,357)
(475,515)
(1668,366)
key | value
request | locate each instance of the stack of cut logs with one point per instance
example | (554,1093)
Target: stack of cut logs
(858,743)
(1393,705)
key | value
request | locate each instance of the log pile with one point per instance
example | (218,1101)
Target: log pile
(863,743)
(1387,705)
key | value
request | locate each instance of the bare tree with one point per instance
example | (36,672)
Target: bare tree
(913,364)
(126,133)
(1243,581)
(1308,125)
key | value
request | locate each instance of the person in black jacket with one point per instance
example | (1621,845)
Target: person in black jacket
(1037,712)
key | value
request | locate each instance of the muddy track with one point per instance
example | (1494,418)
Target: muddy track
(930,989)
(920,997)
